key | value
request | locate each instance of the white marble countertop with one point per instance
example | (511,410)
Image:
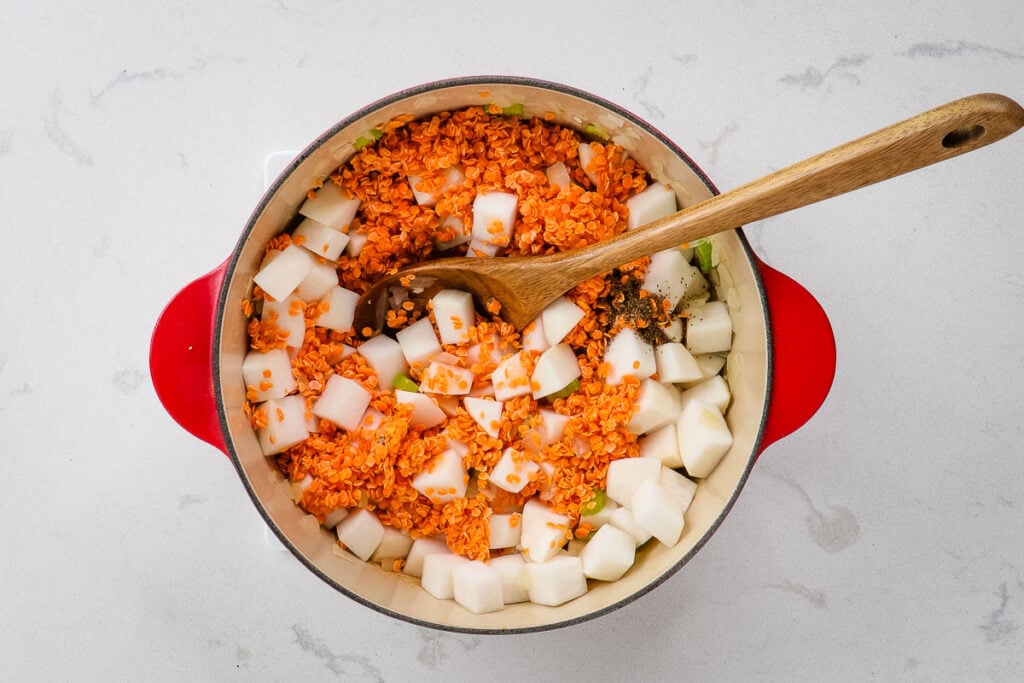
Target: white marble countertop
(884,540)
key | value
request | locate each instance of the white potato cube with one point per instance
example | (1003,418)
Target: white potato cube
(341,309)
(480,248)
(486,412)
(609,554)
(453,177)
(681,489)
(662,444)
(655,407)
(419,342)
(444,479)
(513,471)
(286,424)
(559,318)
(657,512)
(628,354)
(708,328)
(446,379)
(384,355)
(674,330)
(602,516)
(421,547)
(269,373)
(510,378)
(697,288)
(544,531)
(356,240)
(533,338)
(556,368)
(318,282)
(622,518)
(667,275)
(494,214)
(556,581)
(332,206)
(289,314)
(558,174)
(586,155)
(710,363)
(654,202)
(676,364)
(343,402)
(546,428)
(514,580)
(437,574)
(453,311)
(361,532)
(506,530)
(704,437)
(477,587)
(281,275)
(626,474)
(394,545)
(713,390)
(332,518)
(426,413)
(454,231)
(320,239)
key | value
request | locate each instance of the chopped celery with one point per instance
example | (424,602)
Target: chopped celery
(513,109)
(376,133)
(565,391)
(597,131)
(595,504)
(370,137)
(702,249)
(403,382)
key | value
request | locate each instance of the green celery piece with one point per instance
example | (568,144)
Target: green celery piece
(513,109)
(405,383)
(595,504)
(362,141)
(597,131)
(702,249)
(564,391)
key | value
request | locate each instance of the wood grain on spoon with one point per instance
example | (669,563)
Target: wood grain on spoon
(525,285)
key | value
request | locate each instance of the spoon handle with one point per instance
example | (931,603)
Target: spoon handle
(936,135)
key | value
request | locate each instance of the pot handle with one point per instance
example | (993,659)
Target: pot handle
(181,358)
(804,355)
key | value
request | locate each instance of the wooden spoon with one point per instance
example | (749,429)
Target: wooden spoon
(525,285)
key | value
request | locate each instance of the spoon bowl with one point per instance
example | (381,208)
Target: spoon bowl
(524,286)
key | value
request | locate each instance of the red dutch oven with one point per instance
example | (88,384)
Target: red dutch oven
(780,368)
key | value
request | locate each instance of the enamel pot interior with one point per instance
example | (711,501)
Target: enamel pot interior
(748,367)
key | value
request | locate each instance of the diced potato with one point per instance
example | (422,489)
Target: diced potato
(384,355)
(559,318)
(331,519)
(332,206)
(394,545)
(343,402)
(674,330)
(506,530)
(556,581)
(281,275)
(586,155)
(446,379)
(681,489)
(480,248)
(626,474)
(655,407)
(704,437)
(320,239)
(558,175)
(622,518)
(318,281)
(477,587)
(437,574)
(418,342)
(628,354)
(667,275)
(510,378)
(512,472)
(425,411)
(486,413)
(453,311)
(341,309)
(609,554)
(444,479)
(269,373)
(713,390)
(708,328)
(555,369)
(654,202)
(544,531)
(494,215)
(356,240)
(676,364)
(662,444)
(289,315)
(534,338)
(546,428)
(286,424)
(361,532)
(454,230)
(421,547)
(453,177)
(514,580)
(657,512)
(710,363)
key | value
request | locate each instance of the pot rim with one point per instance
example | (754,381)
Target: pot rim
(421,89)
